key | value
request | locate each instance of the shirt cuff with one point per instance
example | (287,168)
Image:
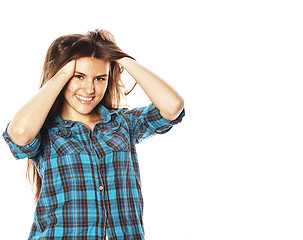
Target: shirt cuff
(20,152)
(159,123)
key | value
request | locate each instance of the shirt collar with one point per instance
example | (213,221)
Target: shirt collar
(105,113)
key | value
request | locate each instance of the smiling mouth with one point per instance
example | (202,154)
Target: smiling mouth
(84,99)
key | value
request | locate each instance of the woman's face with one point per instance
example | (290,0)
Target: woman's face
(86,89)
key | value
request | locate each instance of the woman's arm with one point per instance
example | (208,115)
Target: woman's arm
(30,118)
(166,99)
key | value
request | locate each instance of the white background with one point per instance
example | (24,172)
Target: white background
(233,168)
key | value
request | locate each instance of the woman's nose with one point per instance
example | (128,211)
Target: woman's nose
(89,87)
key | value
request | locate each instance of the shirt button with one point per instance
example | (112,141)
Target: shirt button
(101,188)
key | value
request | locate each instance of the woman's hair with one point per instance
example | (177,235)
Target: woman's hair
(99,44)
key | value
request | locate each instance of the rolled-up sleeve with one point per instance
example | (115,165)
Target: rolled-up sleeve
(20,152)
(147,121)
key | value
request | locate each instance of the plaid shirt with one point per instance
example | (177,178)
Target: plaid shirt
(90,179)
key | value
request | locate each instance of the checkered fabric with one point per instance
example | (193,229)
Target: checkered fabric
(90,179)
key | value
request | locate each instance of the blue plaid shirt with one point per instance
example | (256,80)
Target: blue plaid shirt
(90,179)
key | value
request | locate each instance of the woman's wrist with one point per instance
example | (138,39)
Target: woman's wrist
(65,73)
(123,60)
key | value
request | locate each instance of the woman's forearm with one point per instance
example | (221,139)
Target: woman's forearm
(28,121)
(165,98)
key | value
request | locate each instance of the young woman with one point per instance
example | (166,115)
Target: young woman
(81,145)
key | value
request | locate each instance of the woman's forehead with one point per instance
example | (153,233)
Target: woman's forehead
(89,64)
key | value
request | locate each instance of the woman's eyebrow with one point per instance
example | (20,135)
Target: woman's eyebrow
(101,75)
(80,73)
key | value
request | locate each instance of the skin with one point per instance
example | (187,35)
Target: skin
(28,121)
(89,82)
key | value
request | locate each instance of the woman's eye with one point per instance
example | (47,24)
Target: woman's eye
(100,79)
(79,77)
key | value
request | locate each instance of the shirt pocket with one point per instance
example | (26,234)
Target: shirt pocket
(116,139)
(64,142)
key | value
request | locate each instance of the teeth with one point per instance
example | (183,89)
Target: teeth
(84,98)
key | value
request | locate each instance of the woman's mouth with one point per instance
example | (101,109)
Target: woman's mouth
(84,100)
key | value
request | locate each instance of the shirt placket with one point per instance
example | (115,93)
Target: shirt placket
(98,158)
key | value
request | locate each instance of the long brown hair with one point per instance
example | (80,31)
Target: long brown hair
(99,44)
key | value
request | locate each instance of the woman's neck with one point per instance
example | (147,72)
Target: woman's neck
(90,120)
